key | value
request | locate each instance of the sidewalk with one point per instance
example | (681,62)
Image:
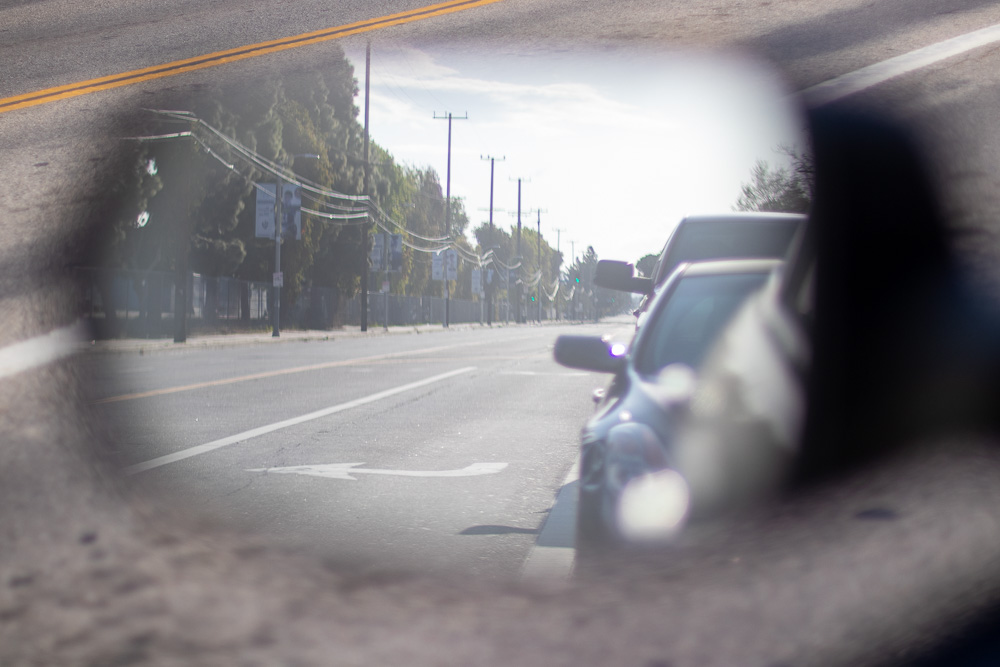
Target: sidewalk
(150,345)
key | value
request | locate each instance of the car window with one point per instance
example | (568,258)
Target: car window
(687,323)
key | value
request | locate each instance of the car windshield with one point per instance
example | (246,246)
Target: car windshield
(684,327)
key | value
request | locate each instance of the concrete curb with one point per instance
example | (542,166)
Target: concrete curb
(152,346)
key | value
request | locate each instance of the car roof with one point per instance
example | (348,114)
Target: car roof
(739,216)
(668,260)
(724,266)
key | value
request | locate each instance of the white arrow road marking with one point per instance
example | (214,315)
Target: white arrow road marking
(263,430)
(346,470)
(545,373)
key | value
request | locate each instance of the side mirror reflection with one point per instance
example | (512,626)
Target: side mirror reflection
(612,274)
(590,353)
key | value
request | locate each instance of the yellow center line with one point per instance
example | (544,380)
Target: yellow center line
(233,55)
(360,361)
(266,374)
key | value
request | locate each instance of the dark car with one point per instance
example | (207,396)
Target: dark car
(873,338)
(631,433)
(705,237)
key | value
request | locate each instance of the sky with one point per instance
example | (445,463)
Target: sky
(612,149)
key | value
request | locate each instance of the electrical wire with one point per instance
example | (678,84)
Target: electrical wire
(350,215)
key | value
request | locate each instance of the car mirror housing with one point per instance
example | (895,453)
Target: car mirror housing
(590,353)
(612,274)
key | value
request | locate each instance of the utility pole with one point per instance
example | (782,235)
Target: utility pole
(538,289)
(278,220)
(519,296)
(447,214)
(489,284)
(385,266)
(558,273)
(538,293)
(278,278)
(572,246)
(366,228)
(517,316)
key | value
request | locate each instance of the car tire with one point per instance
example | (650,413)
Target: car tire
(591,533)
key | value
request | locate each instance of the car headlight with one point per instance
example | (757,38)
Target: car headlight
(653,507)
(653,499)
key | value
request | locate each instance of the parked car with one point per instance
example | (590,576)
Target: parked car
(705,237)
(740,439)
(871,339)
(630,435)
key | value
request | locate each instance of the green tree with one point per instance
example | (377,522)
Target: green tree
(201,202)
(782,190)
(646,264)
(425,216)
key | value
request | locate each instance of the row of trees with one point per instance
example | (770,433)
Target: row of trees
(188,203)
(780,189)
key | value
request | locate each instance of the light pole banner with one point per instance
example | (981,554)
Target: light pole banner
(396,253)
(437,266)
(477,282)
(451,263)
(265,211)
(378,251)
(291,213)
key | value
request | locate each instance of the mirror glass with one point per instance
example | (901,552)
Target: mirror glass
(451,452)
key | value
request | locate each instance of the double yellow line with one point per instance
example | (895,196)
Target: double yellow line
(233,55)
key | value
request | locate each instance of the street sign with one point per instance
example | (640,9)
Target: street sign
(451,263)
(265,211)
(279,279)
(437,266)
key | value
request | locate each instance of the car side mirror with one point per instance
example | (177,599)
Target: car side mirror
(620,276)
(590,353)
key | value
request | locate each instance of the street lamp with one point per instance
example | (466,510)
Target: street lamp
(278,278)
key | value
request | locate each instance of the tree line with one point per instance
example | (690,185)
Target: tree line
(188,205)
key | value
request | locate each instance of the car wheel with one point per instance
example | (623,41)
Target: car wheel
(592,535)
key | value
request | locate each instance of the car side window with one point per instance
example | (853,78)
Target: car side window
(685,325)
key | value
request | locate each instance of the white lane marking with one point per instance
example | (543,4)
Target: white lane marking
(270,428)
(299,369)
(41,350)
(545,373)
(550,560)
(867,77)
(346,470)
